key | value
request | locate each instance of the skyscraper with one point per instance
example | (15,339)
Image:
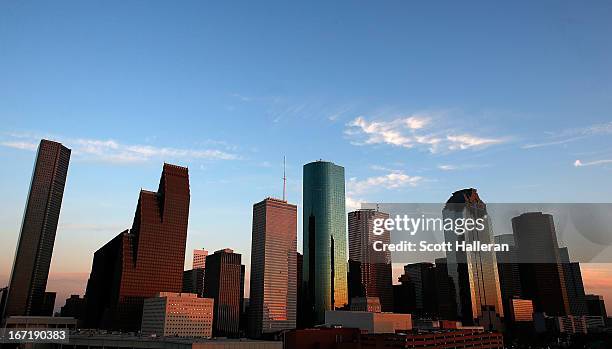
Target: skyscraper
(33,256)
(508,270)
(324,223)
(224,282)
(273,298)
(422,278)
(199,259)
(542,278)
(369,271)
(474,273)
(573,284)
(143,261)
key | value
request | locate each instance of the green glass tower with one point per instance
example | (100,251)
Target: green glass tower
(325,262)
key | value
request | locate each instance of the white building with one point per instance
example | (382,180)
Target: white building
(177,314)
(369,322)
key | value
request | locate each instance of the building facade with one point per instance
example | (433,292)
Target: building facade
(193,281)
(178,315)
(224,282)
(421,277)
(199,258)
(142,261)
(28,281)
(370,272)
(324,223)
(273,282)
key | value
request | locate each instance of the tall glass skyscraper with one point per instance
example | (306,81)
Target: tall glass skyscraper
(474,273)
(26,291)
(324,222)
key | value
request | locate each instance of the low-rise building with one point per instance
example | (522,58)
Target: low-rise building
(178,314)
(434,340)
(369,322)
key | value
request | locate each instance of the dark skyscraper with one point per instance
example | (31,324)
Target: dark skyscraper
(474,273)
(324,223)
(224,282)
(143,261)
(422,278)
(369,271)
(273,298)
(542,278)
(33,256)
(573,284)
(508,270)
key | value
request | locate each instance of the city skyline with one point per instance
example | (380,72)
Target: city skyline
(409,104)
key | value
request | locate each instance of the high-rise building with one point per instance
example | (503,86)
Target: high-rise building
(300,307)
(521,310)
(324,223)
(474,273)
(273,298)
(74,307)
(30,272)
(573,284)
(369,270)
(508,270)
(48,306)
(199,259)
(542,278)
(224,282)
(193,281)
(177,314)
(596,305)
(422,279)
(446,298)
(143,261)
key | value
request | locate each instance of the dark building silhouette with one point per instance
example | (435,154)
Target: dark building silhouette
(421,278)
(48,305)
(542,278)
(573,284)
(193,281)
(445,292)
(143,261)
(224,282)
(273,297)
(323,338)
(30,272)
(403,296)
(74,307)
(595,305)
(508,270)
(370,273)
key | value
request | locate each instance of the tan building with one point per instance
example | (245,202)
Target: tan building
(521,310)
(199,259)
(178,314)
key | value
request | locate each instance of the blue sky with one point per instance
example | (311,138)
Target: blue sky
(416,100)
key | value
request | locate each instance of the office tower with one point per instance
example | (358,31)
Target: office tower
(48,305)
(74,307)
(595,305)
(573,284)
(273,297)
(177,315)
(298,286)
(446,295)
(368,304)
(474,273)
(369,271)
(508,271)
(193,281)
(542,278)
(30,272)
(521,310)
(224,283)
(403,296)
(422,280)
(199,259)
(324,223)
(143,261)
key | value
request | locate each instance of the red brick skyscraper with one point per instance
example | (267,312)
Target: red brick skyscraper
(143,261)
(273,298)
(35,247)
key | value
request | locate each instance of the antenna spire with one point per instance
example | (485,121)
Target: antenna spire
(284,180)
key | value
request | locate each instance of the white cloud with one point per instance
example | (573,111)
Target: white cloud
(115,152)
(579,163)
(414,131)
(572,134)
(447,167)
(393,180)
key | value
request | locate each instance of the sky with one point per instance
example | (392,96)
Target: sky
(415,100)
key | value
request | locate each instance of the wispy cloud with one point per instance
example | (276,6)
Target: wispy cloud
(571,135)
(417,130)
(451,167)
(393,180)
(579,163)
(112,151)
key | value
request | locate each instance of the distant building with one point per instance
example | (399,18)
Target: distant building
(143,261)
(177,314)
(224,282)
(560,324)
(508,271)
(422,279)
(370,272)
(542,278)
(324,224)
(596,305)
(74,307)
(48,306)
(28,281)
(369,322)
(273,281)
(521,310)
(323,338)
(474,273)
(403,296)
(573,284)
(193,281)
(199,259)
(435,339)
(369,304)
(446,298)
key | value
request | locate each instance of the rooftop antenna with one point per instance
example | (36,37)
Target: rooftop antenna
(284,180)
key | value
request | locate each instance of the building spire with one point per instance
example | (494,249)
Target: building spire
(284,181)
